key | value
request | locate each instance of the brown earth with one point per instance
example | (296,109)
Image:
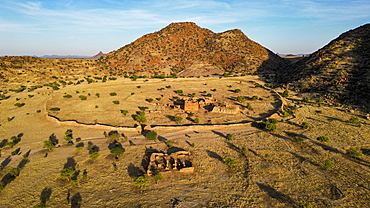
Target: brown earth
(292,174)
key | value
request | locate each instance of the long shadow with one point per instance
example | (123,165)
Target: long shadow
(92,148)
(81,144)
(8,178)
(134,171)
(281,137)
(292,134)
(75,201)
(3,143)
(53,139)
(114,145)
(71,163)
(22,163)
(276,195)
(187,142)
(174,149)
(233,147)
(6,161)
(219,134)
(365,151)
(45,195)
(326,147)
(301,159)
(146,157)
(214,155)
(161,139)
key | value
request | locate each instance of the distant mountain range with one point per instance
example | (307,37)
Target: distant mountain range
(69,56)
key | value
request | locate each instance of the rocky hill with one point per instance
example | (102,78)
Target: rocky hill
(188,50)
(97,56)
(339,71)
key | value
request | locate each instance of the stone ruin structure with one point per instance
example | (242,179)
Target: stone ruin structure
(181,161)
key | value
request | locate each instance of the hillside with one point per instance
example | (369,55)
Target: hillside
(339,71)
(188,50)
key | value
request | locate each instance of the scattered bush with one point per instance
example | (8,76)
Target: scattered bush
(140,119)
(169,143)
(124,112)
(179,91)
(271,127)
(150,100)
(323,139)
(327,164)
(97,95)
(141,181)
(353,152)
(19,104)
(118,151)
(305,99)
(305,125)
(178,119)
(152,135)
(49,145)
(229,136)
(113,94)
(269,85)
(267,156)
(298,139)
(230,162)
(196,120)
(82,97)
(273,120)
(69,144)
(74,183)
(285,94)
(10,144)
(94,156)
(240,99)
(67,173)
(319,101)
(191,114)
(116,102)
(158,98)
(114,136)
(354,119)
(249,107)
(67,96)
(237,90)
(305,205)
(78,149)
(336,104)
(158,177)
(254,97)
(14,171)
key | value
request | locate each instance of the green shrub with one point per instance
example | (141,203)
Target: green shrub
(158,177)
(19,104)
(15,152)
(237,90)
(249,107)
(78,149)
(141,181)
(54,109)
(113,94)
(269,85)
(229,136)
(14,171)
(298,139)
(78,139)
(67,173)
(67,96)
(141,113)
(138,86)
(273,120)
(305,205)
(94,156)
(271,127)
(323,139)
(240,99)
(2,187)
(74,183)
(305,99)
(68,138)
(152,135)
(179,91)
(150,100)
(69,144)
(336,104)
(230,162)
(244,150)
(196,120)
(48,144)
(305,125)
(38,111)
(97,95)
(318,101)
(267,156)
(158,99)
(169,143)
(114,136)
(82,97)
(10,144)
(140,119)
(118,151)
(191,114)
(178,119)
(354,119)
(255,97)
(327,164)
(353,152)
(116,102)
(124,112)
(285,114)
(285,93)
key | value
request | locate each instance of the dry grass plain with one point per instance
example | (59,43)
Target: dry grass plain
(292,174)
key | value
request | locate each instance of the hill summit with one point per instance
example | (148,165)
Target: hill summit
(338,71)
(186,49)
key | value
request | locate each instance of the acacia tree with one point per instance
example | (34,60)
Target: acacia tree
(49,145)
(118,151)
(67,173)
(94,156)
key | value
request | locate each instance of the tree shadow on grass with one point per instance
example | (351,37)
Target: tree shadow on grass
(71,163)
(161,139)
(6,161)
(276,195)
(219,134)
(3,143)
(134,171)
(214,155)
(23,163)
(114,145)
(45,195)
(75,201)
(92,148)
(81,144)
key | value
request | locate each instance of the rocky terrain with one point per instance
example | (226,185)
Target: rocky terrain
(190,50)
(338,71)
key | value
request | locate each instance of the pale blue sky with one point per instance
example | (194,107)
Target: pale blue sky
(85,27)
